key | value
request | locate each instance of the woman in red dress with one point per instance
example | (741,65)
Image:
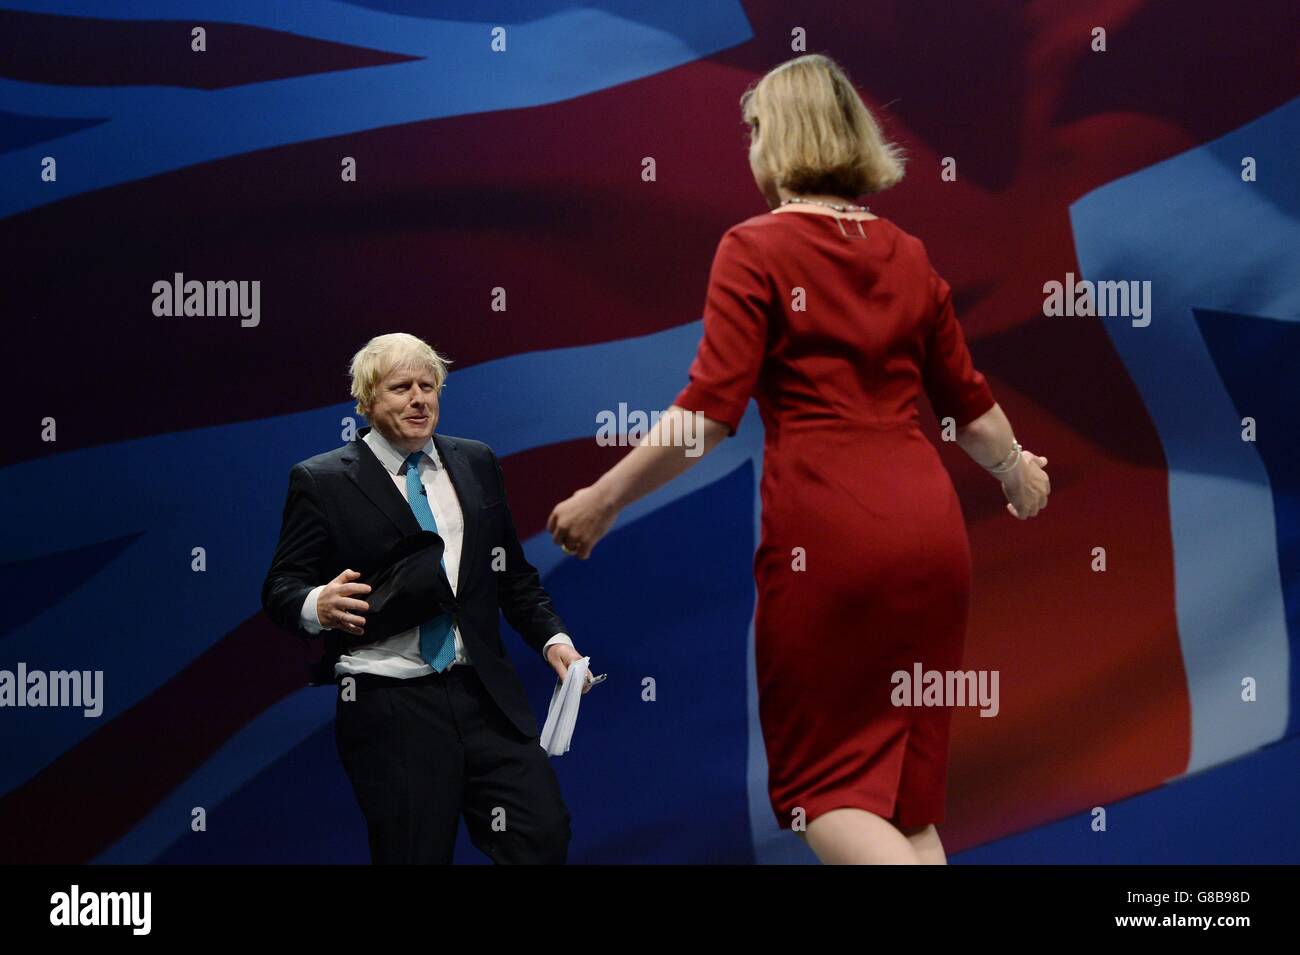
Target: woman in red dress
(835,320)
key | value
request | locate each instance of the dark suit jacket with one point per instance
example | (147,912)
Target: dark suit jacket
(343,510)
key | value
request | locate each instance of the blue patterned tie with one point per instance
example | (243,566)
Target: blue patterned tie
(437,642)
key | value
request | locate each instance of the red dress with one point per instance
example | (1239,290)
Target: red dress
(852,484)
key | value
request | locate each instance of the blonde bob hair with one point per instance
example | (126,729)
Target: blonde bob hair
(813,134)
(385,353)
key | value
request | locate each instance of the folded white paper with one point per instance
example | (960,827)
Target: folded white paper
(563,714)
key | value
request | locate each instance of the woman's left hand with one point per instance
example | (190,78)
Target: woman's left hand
(576,524)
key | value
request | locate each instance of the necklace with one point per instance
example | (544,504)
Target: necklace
(828,205)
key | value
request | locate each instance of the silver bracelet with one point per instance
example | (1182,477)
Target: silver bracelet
(1009,462)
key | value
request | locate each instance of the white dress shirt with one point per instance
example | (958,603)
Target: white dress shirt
(399,655)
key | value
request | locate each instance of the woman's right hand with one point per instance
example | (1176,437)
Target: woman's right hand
(339,607)
(1026,486)
(579,521)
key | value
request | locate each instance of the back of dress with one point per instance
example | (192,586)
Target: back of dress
(830,327)
(863,569)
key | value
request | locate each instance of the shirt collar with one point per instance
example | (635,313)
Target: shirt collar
(392,457)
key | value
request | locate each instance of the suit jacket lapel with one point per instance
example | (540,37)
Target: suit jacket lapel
(377,484)
(467,492)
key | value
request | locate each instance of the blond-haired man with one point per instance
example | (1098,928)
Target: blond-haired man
(440,725)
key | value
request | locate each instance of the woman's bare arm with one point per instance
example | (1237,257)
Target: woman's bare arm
(653,463)
(584,518)
(987,440)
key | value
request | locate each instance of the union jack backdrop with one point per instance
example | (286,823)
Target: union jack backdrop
(383,165)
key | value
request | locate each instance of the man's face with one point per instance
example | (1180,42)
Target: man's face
(405,409)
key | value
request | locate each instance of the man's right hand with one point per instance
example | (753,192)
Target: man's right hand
(338,606)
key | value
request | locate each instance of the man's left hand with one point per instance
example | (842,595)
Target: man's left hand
(560,655)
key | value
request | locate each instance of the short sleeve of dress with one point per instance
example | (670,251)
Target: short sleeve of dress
(955,388)
(736,307)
